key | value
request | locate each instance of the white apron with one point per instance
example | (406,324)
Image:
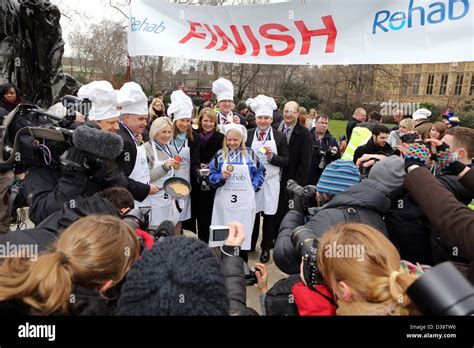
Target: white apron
(185,173)
(267,198)
(163,207)
(235,201)
(141,172)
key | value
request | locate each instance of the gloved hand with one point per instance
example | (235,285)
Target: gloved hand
(417,154)
(448,163)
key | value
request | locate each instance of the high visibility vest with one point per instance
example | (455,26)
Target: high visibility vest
(360,136)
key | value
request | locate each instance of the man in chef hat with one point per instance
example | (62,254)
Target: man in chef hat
(104,111)
(133,105)
(224,90)
(422,125)
(271,147)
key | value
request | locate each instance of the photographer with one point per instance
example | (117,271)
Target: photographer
(325,149)
(181,276)
(86,168)
(342,198)
(114,201)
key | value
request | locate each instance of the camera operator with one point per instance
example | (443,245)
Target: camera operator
(114,201)
(342,198)
(133,105)
(87,167)
(325,149)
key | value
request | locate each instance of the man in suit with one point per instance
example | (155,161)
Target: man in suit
(300,146)
(271,147)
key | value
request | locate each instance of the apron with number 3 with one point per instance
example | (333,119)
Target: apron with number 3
(185,173)
(163,207)
(267,198)
(235,201)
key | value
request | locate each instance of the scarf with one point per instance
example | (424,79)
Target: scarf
(205,137)
(181,138)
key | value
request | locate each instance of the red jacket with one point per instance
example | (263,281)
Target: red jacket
(311,303)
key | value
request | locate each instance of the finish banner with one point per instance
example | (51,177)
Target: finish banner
(315,32)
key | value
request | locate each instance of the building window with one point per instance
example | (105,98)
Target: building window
(404,83)
(443,85)
(416,84)
(430,84)
(472,85)
(458,86)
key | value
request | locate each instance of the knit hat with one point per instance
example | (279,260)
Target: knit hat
(337,177)
(178,276)
(389,172)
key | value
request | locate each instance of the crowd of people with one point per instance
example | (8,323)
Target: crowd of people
(400,195)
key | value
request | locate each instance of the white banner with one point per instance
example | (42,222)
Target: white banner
(306,32)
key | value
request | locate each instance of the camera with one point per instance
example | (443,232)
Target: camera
(204,179)
(443,290)
(251,278)
(218,233)
(409,138)
(140,219)
(306,196)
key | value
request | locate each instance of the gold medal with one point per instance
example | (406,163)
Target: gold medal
(263,150)
(230,168)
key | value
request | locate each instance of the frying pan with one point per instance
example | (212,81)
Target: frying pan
(175,180)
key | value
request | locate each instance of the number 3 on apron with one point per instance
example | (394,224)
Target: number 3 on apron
(235,201)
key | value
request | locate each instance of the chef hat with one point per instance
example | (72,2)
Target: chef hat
(227,127)
(263,106)
(224,89)
(181,106)
(132,100)
(103,98)
(421,114)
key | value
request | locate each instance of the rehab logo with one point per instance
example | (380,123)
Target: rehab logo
(143,25)
(420,14)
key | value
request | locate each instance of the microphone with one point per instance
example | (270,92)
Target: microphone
(100,143)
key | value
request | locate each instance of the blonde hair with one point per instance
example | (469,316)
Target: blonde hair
(376,276)
(88,253)
(151,111)
(210,113)
(242,143)
(408,123)
(158,125)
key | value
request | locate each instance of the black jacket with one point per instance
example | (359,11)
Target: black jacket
(46,232)
(126,162)
(280,160)
(320,149)
(299,157)
(369,198)
(373,149)
(351,124)
(233,269)
(208,150)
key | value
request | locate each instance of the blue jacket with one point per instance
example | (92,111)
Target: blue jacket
(256,168)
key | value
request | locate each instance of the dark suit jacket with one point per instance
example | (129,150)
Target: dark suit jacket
(300,148)
(126,162)
(280,160)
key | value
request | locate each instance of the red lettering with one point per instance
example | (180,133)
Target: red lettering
(290,41)
(193,33)
(239,46)
(213,42)
(329,30)
(253,40)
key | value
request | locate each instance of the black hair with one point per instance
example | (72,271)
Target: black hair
(6,87)
(120,197)
(380,128)
(374,115)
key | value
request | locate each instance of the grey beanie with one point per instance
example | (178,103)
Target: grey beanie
(389,172)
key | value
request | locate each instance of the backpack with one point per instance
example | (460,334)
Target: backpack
(279,300)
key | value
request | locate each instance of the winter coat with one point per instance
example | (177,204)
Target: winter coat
(372,149)
(233,269)
(369,198)
(320,149)
(453,220)
(351,124)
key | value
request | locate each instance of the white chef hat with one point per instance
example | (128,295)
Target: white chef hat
(263,106)
(421,114)
(103,98)
(181,106)
(132,100)
(224,89)
(227,127)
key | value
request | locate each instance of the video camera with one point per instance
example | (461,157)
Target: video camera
(302,197)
